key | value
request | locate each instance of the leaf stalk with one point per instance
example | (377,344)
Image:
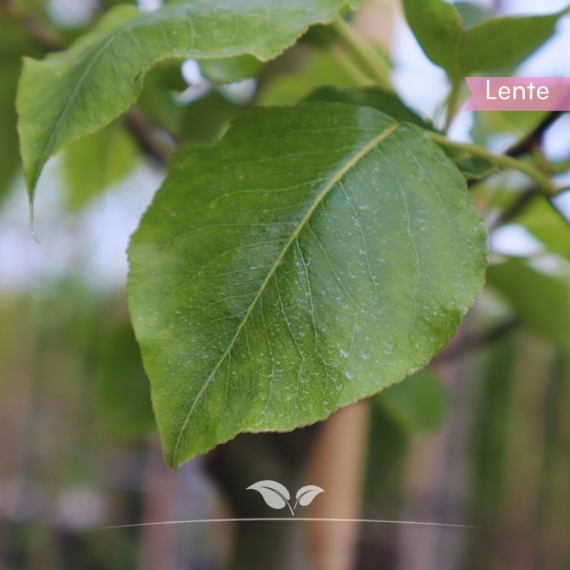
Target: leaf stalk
(377,67)
(543,182)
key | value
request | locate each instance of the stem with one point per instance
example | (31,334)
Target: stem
(345,62)
(541,180)
(373,62)
(452,105)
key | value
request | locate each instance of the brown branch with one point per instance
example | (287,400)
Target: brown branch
(34,28)
(534,138)
(153,141)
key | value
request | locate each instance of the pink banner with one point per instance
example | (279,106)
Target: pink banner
(519,93)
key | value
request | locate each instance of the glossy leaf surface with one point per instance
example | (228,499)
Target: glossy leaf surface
(314,256)
(73,93)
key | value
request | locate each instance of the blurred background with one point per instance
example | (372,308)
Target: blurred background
(480,438)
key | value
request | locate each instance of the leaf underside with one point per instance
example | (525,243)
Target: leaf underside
(314,256)
(73,93)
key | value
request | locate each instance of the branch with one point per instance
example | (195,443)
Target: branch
(32,27)
(152,141)
(534,138)
(541,180)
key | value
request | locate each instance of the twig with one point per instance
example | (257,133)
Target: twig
(541,180)
(518,206)
(32,27)
(152,141)
(534,138)
(377,67)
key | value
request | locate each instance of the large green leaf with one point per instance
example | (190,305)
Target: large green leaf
(489,46)
(73,93)
(312,257)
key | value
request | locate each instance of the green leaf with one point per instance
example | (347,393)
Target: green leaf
(92,164)
(491,45)
(124,391)
(321,69)
(314,256)
(545,223)
(231,69)
(206,120)
(384,101)
(472,167)
(541,301)
(9,155)
(74,93)
(419,404)
(13,45)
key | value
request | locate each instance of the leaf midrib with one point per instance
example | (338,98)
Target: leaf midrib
(319,198)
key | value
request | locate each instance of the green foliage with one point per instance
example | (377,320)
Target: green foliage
(124,390)
(13,45)
(472,167)
(419,404)
(542,302)
(314,256)
(492,45)
(95,162)
(231,69)
(384,101)
(76,92)
(310,255)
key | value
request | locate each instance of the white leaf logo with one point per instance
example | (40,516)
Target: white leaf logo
(305,495)
(277,496)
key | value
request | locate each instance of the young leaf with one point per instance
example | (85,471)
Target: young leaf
(274,494)
(314,256)
(73,93)
(305,495)
(489,46)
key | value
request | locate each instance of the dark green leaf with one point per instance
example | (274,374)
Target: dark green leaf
(541,301)
(384,101)
(124,394)
(206,120)
(76,92)
(321,69)
(472,167)
(314,256)
(419,404)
